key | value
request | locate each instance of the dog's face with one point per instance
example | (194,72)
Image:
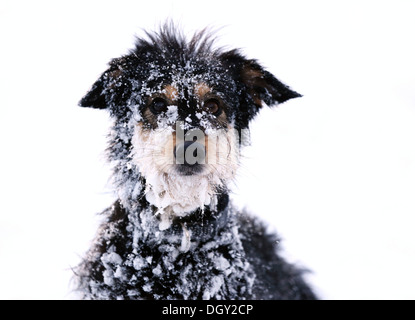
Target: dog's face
(179,109)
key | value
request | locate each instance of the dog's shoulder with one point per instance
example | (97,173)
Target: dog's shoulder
(275,277)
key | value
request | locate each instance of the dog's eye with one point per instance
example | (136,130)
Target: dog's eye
(158,105)
(212,106)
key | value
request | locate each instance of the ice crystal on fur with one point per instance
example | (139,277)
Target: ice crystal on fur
(199,271)
(166,189)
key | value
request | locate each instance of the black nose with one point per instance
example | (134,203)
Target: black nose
(190,153)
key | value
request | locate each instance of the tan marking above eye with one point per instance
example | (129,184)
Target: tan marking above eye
(202,89)
(171,92)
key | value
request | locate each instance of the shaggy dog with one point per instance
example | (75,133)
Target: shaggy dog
(181,110)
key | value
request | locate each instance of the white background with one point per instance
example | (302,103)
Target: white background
(334,171)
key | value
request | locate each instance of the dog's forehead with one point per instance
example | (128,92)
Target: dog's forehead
(195,76)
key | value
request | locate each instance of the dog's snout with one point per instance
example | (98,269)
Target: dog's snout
(190,153)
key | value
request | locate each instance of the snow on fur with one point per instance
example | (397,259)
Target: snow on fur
(193,270)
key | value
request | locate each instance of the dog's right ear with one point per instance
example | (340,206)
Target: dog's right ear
(97,95)
(95,98)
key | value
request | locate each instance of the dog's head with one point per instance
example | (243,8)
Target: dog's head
(180,108)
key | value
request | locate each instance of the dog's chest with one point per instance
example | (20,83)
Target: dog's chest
(203,261)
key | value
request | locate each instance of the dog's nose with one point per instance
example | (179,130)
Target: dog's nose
(190,153)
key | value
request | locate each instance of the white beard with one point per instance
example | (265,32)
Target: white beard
(175,194)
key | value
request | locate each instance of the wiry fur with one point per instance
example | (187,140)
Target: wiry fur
(173,234)
(153,154)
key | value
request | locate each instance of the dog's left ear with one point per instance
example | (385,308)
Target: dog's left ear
(261,86)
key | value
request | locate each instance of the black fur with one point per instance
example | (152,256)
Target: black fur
(230,256)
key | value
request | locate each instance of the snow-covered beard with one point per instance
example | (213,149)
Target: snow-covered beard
(175,194)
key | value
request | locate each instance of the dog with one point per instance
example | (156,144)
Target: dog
(181,110)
